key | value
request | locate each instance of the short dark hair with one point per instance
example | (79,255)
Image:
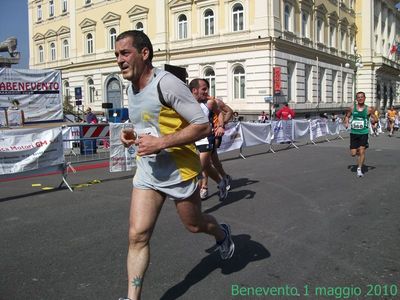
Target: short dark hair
(360,93)
(139,41)
(195,83)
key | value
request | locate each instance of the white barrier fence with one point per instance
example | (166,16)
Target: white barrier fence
(240,135)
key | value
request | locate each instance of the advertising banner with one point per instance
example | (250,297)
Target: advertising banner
(71,135)
(277,80)
(37,91)
(121,158)
(30,149)
(283,131)
(232,139)
(256,134)
(318,128)
(301,129)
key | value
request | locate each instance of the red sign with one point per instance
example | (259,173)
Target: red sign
(277,80)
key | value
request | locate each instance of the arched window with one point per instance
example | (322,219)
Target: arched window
(182,27)
(304,24)
(91,90)
(39,13)
(239,82)
(41,54)
(344,40)
(64,5)
(89,43)
(308,83)
(238,17)
(139,26)
(208,22)
(66,91)
(320,31)
(53,51)
(51,8)
(114,92)
(332,36)
(288,18)
(112,38)
(209,75)
(65,49)
(291,82)
(321,85)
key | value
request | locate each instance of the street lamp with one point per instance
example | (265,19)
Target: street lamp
(357,61)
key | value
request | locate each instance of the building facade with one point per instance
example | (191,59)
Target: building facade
(252,51)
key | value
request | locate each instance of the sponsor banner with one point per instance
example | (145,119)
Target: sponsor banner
(3,117)
(70,136)
(37,91)
(333,127)
(121,158)
(15,118)
(318,128)
(301,129)
(277,80)
(232,139)
(30,149)
(256,134)
(282,131)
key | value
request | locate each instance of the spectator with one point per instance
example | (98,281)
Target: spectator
(263,117)
(285,113)
(91,117)
(235,116)
(16,116)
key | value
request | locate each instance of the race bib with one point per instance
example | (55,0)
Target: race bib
(357,124)
(148,131)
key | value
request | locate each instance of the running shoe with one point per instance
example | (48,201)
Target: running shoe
(223,192)
(228,181)
(203,193)
(359,172)
(226,248)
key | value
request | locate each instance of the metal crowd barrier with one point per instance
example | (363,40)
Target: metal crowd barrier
(86,142)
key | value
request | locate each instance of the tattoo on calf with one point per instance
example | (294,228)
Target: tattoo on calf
(137,282)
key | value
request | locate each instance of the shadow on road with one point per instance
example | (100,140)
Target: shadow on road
(57,189)
(235,196)
(246,252)
(365,168)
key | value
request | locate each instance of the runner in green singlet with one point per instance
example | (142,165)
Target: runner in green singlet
(358,116)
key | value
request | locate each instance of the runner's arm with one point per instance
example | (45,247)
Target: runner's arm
(371,113)
(347,117)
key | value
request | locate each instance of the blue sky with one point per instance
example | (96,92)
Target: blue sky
(14,22)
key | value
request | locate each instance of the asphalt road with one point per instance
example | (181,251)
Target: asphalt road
(304,226)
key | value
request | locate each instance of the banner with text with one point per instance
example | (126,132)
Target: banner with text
(318,128)
(121,158)
(30,149)
(283,131)
(232,139)
(37,91)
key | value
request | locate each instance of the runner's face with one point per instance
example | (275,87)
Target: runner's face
(360,99)
(201,93)
(129,60)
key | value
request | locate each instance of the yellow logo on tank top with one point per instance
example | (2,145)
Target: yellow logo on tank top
(146,117)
